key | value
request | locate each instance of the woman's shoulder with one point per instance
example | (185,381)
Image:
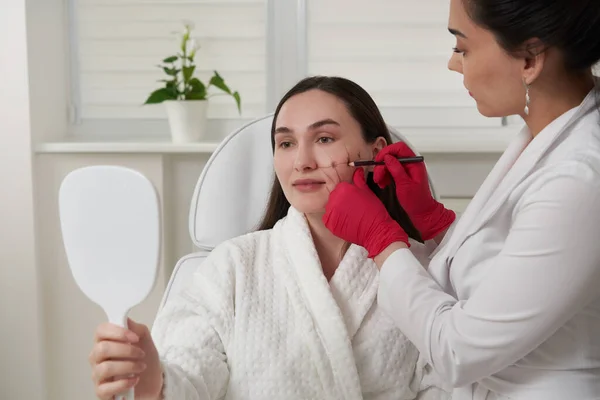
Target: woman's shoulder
(231,262)
(241,257)
(576,155)
(582,144)
(242,248)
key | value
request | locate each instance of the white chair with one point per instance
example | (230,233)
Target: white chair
(231,194)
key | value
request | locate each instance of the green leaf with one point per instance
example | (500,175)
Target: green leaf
(197,90)
(188,72)
(171,59)
(170,71)
(195,96)
(238,101)
(184,39)
(193,53)
(196,85)
(218,81)
(171,86)
(160,95)
(172,89)
(167,81)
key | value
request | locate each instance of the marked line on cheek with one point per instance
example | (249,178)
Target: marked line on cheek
(329,178)
(335,164)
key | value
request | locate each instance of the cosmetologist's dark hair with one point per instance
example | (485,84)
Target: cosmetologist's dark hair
(571,26)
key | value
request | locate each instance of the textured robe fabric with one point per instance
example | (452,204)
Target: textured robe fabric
(259,320)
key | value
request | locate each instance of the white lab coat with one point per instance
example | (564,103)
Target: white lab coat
(259,320)
(509,307)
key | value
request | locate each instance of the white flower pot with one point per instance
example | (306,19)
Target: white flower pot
(187,119)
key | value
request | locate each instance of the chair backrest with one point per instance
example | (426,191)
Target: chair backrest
(232,192)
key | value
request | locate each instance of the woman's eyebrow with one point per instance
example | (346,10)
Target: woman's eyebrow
(282,129)
(456,32)
(312,127)
(318,124)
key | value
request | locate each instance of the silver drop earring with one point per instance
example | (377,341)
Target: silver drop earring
(527,98)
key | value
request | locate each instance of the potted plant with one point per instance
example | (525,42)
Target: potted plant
(184,95)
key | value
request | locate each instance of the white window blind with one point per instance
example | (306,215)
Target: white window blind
(119,44)
(398,50)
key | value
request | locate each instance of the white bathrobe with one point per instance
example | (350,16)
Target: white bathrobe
(259,320)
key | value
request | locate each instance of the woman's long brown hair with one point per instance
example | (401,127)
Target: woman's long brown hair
(364,110)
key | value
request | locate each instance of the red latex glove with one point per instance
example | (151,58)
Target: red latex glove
(429,216)
(355,214)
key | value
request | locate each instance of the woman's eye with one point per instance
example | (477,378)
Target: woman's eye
(285,145)
(325,139)
(457,50)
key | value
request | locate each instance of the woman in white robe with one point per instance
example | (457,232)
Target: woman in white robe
(288,311)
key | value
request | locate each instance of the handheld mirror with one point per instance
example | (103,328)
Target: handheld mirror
(110,222)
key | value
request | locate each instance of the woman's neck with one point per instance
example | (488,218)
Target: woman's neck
(330,248)
(552,98)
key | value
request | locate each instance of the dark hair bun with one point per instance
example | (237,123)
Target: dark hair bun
(572,26)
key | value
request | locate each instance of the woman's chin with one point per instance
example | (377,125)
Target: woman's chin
(489,112)
(483,110)
(310,207)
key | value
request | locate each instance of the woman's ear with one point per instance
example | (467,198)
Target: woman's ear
(535,58)
(376,147)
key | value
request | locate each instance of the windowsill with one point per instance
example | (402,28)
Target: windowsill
(131,145)
(425,140)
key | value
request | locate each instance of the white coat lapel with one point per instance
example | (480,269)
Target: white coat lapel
(450,244)
(334,354)
(531,155)
(511,169)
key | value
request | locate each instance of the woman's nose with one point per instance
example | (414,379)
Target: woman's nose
(455,63)
(305,159)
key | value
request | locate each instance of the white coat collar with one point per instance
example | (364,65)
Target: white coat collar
(515,164)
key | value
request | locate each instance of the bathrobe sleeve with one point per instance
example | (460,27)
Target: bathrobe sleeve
(547,271)
(192,330)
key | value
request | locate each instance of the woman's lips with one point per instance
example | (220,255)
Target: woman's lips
(308,185)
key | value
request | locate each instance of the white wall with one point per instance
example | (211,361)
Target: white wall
(21,326)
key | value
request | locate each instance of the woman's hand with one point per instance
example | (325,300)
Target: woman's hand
(355,214)
(429,216)
(123,358)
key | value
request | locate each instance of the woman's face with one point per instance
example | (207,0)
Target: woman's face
(491,75)
(315,139)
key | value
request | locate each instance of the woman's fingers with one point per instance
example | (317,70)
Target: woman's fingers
(106,350)
(108,331)
(381,176)
(116,370)
(359,179)
(107,390)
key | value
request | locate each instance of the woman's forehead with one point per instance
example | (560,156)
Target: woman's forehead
(308,109)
